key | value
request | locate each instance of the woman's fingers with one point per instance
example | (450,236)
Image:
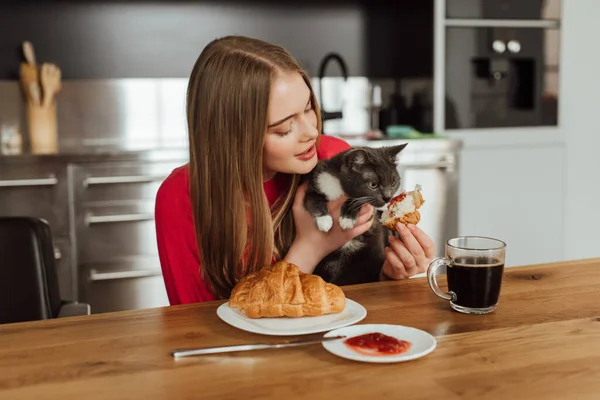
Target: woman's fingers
(337,203)
(411,243)
(392,266)
(364,221)
(406,257)
(366,213)
(366,209)
(300,193)
(424,240)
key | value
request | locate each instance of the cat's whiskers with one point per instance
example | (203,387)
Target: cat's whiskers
(359,201)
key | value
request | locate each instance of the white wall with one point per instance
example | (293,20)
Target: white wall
(514,193)
(580,121)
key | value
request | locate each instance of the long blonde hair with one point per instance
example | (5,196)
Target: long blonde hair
(227,103)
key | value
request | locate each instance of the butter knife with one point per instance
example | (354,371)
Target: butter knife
(255,346)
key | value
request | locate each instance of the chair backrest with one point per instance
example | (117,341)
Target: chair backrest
(28,279)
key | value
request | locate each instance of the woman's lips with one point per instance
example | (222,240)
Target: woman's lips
(308,154)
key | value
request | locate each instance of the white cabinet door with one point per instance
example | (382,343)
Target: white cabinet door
(515,194)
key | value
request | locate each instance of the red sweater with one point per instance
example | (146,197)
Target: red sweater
(176,236)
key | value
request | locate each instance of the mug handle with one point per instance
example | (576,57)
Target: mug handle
(434,265)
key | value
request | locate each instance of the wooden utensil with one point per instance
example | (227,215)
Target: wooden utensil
(28,52)
(34,92)
(51,82)
(29,72)
(40,107)
(28,77)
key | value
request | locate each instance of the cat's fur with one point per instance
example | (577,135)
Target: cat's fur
(366,176)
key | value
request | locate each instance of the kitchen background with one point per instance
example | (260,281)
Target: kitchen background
(509,88)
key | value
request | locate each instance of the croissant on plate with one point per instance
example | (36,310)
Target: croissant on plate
(282,290)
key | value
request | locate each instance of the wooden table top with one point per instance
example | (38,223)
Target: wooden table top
(543,341)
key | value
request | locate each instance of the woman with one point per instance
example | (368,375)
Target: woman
(254,128)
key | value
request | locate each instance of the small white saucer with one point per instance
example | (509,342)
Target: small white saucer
(422,342)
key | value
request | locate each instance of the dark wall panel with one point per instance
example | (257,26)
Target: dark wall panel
(399,37)
(163,39)
(152,39)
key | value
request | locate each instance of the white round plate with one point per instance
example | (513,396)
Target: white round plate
(422,342)
(352,313)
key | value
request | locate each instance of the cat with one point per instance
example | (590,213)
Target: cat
(366,176)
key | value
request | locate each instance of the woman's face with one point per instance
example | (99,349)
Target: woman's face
(291,136)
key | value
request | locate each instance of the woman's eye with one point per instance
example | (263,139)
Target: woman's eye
(282,134)
(285,133)
(373,185)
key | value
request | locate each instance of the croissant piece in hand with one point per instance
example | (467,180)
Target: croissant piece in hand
(403,209)
(282,290)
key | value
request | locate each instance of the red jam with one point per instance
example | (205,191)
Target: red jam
(377,344)
(398,198)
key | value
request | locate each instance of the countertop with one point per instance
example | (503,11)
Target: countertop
(543,342)
(80,152)
(85,154)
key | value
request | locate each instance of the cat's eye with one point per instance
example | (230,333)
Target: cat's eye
(373,185)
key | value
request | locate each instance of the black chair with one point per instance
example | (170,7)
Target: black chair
(28,278)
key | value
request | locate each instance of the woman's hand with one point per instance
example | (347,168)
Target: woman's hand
(409,255)
(311,245)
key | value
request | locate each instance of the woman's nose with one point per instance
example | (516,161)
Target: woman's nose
(308,129)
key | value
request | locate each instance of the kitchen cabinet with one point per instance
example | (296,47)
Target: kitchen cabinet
(503,9)
(496,64)
(116,236)
(503,104)
(128,284)
(40,189)
(100,208)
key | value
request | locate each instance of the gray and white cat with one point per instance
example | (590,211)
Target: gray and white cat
(366,176)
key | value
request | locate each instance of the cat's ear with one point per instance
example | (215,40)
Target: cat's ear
(356,159)
(393,151)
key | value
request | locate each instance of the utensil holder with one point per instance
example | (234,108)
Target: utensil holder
(42,123)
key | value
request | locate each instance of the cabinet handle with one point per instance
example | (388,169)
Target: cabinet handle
(107,219)
(50,181)
(136,273)
(501,23)
(111,180)
(431,165)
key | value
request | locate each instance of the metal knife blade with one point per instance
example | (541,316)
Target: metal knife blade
(254,346)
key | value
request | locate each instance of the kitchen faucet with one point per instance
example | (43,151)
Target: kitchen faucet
(327,115)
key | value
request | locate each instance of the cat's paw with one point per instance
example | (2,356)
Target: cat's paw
(324,223)
(347,223)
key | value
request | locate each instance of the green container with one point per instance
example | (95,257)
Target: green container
(408,132)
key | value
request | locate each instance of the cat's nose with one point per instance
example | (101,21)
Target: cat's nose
(386,198)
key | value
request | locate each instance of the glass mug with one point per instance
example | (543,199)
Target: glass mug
(474,269)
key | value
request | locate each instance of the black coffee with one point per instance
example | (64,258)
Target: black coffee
(476,281)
